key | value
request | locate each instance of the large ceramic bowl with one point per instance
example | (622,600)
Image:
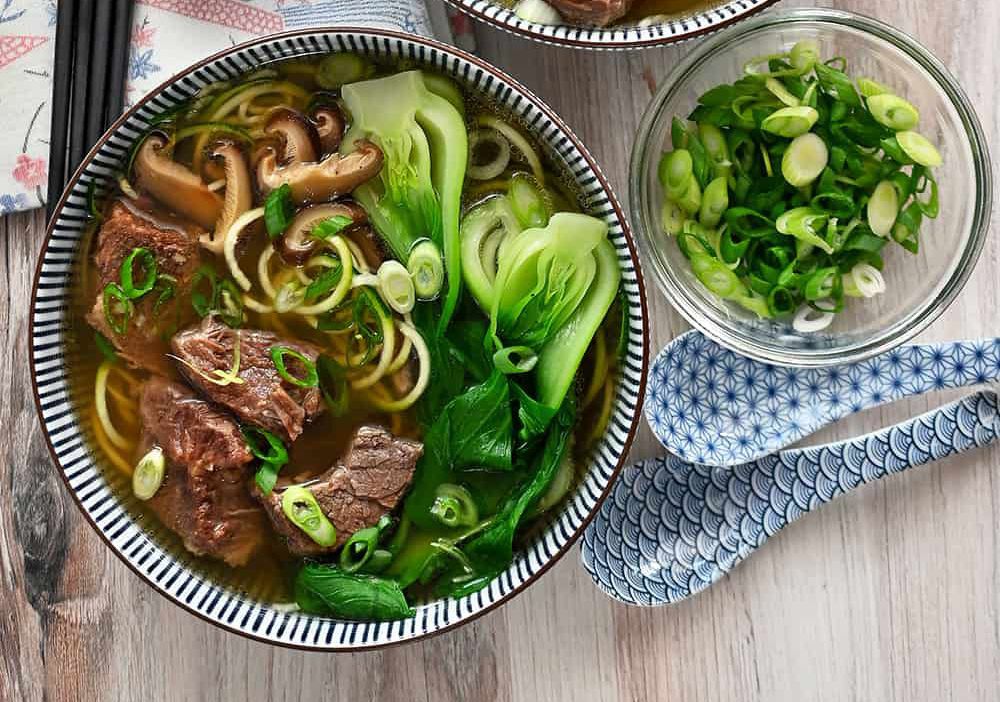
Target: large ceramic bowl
(136,540)
(919,287)
(711,16)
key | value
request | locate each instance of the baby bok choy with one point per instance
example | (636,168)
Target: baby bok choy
(546,289)
(418,193)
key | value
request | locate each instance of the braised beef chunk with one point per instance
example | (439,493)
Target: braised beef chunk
(204,495)
(264,398)
(598,13)
(368,483)
(143,343)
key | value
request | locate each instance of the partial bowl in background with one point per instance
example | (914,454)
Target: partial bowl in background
(633,36)
(920,287)
(111,512)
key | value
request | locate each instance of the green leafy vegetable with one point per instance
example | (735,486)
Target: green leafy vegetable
(331,226)
(278,210)
(493,549)
(323,589)
(418,193)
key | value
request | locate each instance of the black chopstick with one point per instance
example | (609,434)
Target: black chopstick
(118,66)
(62,80)
(88,90)
(81,74)
(97,79)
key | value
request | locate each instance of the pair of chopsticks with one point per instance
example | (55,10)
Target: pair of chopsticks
(88,93)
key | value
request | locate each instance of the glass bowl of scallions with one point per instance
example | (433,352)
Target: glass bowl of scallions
(811,187)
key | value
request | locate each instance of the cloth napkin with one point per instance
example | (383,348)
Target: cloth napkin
(167,35)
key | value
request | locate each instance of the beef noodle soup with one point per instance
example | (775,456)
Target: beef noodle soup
(345,335)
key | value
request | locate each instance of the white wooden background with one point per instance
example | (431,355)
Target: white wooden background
(891,593)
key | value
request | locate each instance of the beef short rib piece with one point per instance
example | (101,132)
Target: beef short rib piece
(264,398)
(369,482)
(204,496)
(144,343)
(598,13)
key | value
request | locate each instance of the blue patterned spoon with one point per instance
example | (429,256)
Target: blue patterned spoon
(713,406)
(670,528)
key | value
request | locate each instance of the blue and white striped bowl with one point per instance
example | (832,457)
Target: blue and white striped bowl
(140,544)
(717,16)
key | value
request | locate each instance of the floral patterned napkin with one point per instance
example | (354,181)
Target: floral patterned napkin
(167,36)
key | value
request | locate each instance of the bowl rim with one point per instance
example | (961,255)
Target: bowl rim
(561,128)
(912,323)
(704,21)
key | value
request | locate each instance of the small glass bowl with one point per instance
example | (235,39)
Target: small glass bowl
(919,287)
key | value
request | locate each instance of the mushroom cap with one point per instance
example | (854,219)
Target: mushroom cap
(334,176)
(297,244)
(175,185)
(330,127)
(298,135)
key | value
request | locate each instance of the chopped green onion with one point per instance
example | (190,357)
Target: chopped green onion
(919,148)
(118,308)
(672,217)
(358,549)
(396,286)
(148,474)
(893,112)
(870,88)
(426,267)
(515,359)
(278,210)
(204,303)
(264,445)
(331,226)
(805,224)
(714,202)
(676,169)
(300,506)
(853,177)
(717,277)
(804,55)
(142,258)
(266,476)
(804,159)
(167,287)
(883,208)
(454,506)
(790,121)
(309,380)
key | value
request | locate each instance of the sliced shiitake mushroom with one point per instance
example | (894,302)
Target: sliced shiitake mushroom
(239,192)
(174,185)
(334,176)
(330,127)
(298,136)
(297,243)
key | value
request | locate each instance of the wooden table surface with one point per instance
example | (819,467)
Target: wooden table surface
(891,593)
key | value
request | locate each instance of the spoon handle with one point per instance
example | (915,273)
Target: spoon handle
(672,528)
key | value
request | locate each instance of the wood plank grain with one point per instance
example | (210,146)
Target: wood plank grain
(891,593)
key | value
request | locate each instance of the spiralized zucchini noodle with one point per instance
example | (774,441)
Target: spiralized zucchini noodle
(112,441)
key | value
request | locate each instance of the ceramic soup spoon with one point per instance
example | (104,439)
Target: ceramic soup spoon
(671,528)
(713,406)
